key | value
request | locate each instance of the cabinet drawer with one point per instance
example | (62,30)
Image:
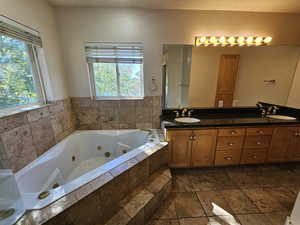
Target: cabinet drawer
(225,143)
(251,156)
(257,142)
(229,132)
(257,131)
(230,157)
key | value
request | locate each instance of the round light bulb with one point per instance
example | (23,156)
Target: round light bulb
(222,40)
(213,40)
(207,43)
(202,39)
(241,41)
(249,40)
(258,41)
(231,40)
(268,39)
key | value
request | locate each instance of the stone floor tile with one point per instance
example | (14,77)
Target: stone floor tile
(277,218)
(239,202)
(163,222)
(188,205)
(287,178)
(223,220)
(194,221)
(214,203)
(253,219)
(284,196)
(210,181)
(244,179)
(181,183)
(263,200)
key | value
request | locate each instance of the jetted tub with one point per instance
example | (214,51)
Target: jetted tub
(80,158)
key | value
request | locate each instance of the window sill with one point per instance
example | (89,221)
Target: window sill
(117,98)
(8,112)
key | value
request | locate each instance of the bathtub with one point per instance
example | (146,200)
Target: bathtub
(80,158)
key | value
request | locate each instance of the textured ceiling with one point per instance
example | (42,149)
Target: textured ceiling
(288,6)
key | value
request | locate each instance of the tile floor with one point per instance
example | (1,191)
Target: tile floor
(246,195)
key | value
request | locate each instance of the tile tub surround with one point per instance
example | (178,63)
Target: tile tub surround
(118,192)
(26,135)
(117,114)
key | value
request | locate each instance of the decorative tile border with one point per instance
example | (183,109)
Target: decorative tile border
(28,134)
(101,199)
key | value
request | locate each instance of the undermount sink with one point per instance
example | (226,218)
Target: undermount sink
(281,117)
(187,120)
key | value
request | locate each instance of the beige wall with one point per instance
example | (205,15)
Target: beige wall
(155,28)
(204,75)
(256,65)
(259,64)
(39,15)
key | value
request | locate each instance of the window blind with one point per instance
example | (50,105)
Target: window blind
(18,33)
(114,53)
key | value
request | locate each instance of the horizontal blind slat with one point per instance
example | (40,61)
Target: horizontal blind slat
(108,53)
(17,33)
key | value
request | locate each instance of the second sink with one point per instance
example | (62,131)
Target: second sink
(280,117)
(187,120)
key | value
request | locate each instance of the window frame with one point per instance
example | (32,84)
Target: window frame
(35,62)
(92,82)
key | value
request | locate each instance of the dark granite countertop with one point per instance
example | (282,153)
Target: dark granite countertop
(227,122)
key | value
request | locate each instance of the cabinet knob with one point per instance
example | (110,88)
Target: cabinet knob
(258,143)
(228,158)
(191,137)
(231,144)
(254,157)
(233,132)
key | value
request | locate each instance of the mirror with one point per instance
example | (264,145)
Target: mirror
(227,76)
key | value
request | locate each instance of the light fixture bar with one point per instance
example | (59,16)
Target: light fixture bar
(231,41)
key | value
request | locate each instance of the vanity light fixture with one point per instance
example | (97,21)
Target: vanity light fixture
(231,41)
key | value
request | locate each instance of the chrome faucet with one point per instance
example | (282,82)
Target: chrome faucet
(273,109)
(190,112)
(262,108)
(184,110)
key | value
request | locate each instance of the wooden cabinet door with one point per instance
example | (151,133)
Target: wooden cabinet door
(279,144)
(228,71)
(293,153)
(180,143)
(203,147)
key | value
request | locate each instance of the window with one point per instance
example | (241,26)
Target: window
(116,70)
(20,83)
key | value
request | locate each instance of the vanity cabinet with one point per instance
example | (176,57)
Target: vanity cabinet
(229,146)
(191,148)
(257,144)
(280,144)
(293,151)
(203,147)
(180,145)
(233,146)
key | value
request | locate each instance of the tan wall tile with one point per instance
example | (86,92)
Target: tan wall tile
(43,135)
